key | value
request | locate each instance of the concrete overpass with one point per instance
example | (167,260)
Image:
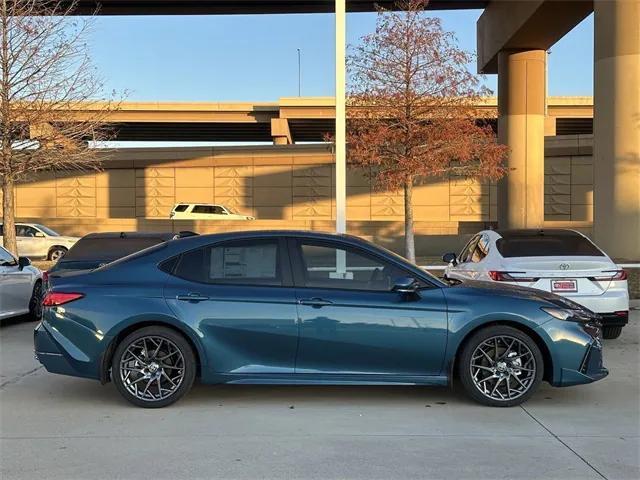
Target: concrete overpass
(513,37)
(289,120)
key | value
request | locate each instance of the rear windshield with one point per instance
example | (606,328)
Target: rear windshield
(547,245)
(104,250)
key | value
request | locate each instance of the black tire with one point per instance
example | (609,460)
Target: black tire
(490,334)
(169,337)
(56,253)
(611,332)
(35,303)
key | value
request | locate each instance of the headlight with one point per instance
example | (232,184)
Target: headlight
(559,313)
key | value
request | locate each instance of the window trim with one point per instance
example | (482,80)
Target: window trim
(281,258)
(297,261)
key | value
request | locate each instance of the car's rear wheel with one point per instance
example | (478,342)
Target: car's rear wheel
(611,332)
(153,367)
(501,366)
(35,303)
(56,253)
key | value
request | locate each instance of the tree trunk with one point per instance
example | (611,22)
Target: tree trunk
(8,213)
(409,241)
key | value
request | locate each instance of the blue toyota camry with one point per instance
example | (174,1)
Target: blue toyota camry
(292,307)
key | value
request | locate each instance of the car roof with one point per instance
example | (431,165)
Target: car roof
(530,232)
(131,235)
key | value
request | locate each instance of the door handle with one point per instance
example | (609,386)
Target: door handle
(314,302)
(192,297)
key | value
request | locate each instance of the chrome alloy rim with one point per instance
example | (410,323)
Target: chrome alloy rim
(57,254)
(152,368)
(503,368)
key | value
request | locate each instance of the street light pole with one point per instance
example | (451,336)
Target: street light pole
(341,123)
(299,75)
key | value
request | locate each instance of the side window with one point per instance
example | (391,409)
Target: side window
(202,209)
(1,230)
(181,208)
(219,210)
(467,251)
(244,263)
(346,268)
(25,231)
(481,250)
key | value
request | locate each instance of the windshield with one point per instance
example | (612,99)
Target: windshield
(47,230)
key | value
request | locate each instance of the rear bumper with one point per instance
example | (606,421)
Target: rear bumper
(617,319)
(610,301)
(56,359)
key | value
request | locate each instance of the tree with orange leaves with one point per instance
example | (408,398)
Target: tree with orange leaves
(412,107)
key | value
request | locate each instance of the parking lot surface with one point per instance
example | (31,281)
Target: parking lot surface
(56,427)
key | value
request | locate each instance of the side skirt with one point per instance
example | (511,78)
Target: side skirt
(324,379)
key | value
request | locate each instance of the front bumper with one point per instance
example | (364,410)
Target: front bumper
(591,369)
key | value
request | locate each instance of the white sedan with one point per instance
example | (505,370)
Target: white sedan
(38,241)
(20,287)
(563,262)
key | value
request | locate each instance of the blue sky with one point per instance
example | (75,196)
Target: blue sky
(254,58)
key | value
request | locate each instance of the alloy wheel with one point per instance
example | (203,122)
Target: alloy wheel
(57,254)
(503,368)
(152,368)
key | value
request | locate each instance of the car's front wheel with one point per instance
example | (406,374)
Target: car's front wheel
(501,366)
(153,367)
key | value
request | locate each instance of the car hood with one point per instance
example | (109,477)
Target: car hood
(514,291)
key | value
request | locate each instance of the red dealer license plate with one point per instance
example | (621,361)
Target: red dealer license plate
(564,286)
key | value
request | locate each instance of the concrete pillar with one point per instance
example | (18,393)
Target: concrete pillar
(616,139)
(521,101)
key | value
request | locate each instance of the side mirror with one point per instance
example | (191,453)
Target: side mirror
(405,285)
(23,262)
(39,235)
(450,258)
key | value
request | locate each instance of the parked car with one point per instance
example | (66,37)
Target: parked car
(20,287)
(564,262)
(97,249)
(38,241)
(205,211)
(306,308)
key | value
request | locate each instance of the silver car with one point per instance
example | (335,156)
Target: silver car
(39,241)
(20,287)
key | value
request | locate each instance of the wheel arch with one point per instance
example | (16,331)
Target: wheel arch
(107,356)
(544,349)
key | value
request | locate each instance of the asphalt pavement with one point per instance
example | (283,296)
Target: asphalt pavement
(56,427)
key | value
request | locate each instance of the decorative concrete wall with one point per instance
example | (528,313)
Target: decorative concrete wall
(285,187)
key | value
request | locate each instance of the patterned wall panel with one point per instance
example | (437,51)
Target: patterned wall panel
(469,199)
(311,191)
(155,192)
(233,187)
(557,190)
(76,195)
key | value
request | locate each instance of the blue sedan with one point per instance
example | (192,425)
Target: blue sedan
(289,307)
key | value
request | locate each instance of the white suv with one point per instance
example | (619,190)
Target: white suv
(37,241)
(205,211)
(563,262)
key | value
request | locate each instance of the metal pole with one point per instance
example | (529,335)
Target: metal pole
(341,123)
(299,75)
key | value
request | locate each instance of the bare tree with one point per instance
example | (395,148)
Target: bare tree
(413,107)
(51,102)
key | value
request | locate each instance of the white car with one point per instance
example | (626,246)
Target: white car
(563,262)
(20,287)
(205,211)
(37,241)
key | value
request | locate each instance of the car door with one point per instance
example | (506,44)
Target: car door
(15,286)
(28,241)
(238,295)
(352,323)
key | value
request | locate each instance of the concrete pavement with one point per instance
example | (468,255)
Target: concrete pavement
(55,427)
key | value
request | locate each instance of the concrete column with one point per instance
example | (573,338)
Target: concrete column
(521,100)
(616,139)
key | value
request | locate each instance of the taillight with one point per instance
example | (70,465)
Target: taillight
(54,299)
(616,275)
(507,277)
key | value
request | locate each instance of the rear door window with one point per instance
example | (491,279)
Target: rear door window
(248,262)
(547,245)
